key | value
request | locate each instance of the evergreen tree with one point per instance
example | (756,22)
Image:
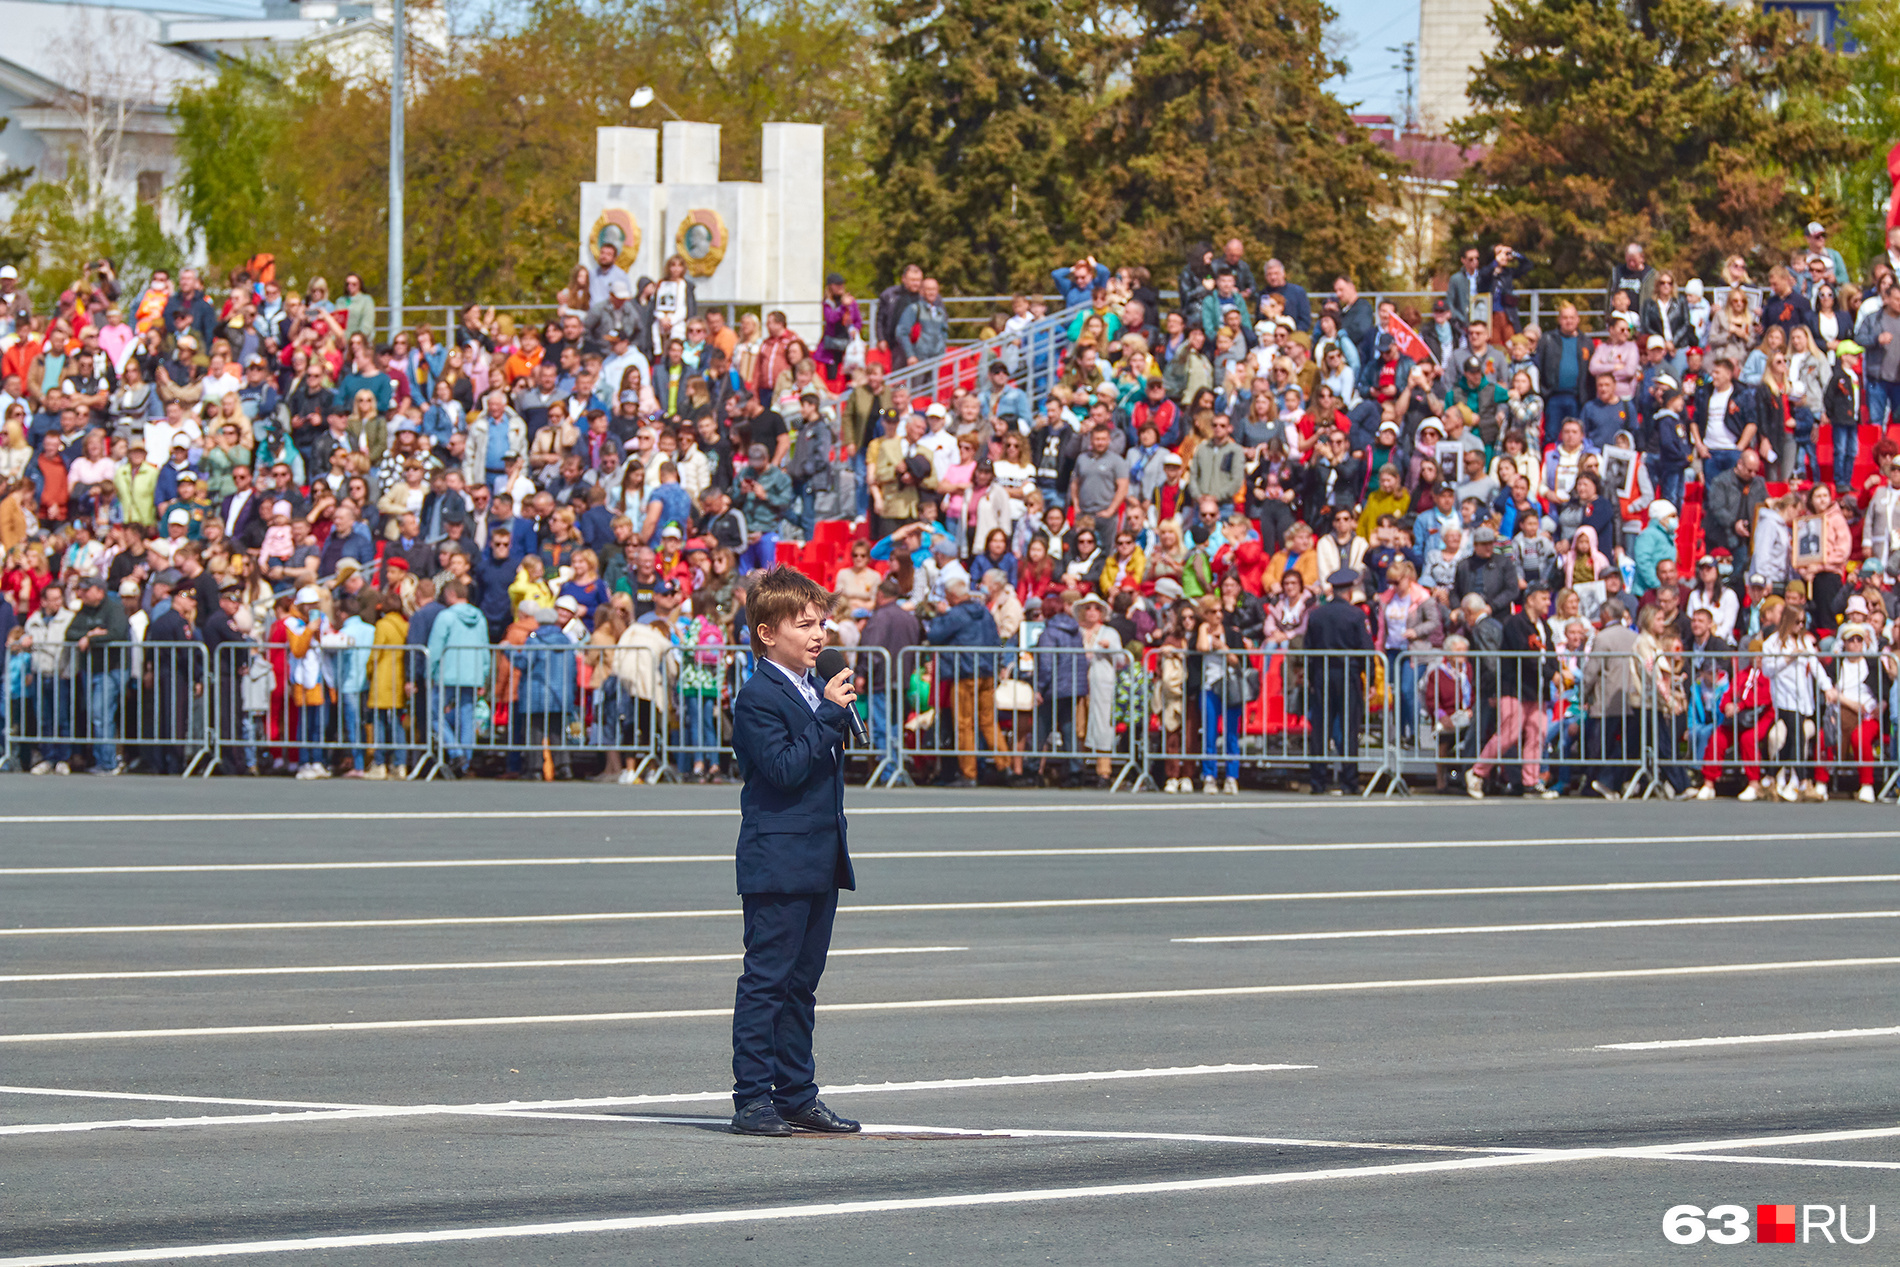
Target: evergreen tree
(1871,107)
(969,178)
(1696,127)
(1225,128)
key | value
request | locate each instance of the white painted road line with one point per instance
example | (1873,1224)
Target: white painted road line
(1805,1036)
(615,860)
(1124,996)
(908,908)
(1344,934)
(345,968)
(545,1108)
(1785,1161)
(890,1205)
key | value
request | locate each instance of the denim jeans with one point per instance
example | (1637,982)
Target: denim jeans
(1846,450)
(1226,717)
(310,733)
(1881,398)
(883,734)
(387,733)
(1719,461)
(458,721)
(353,727)
(699,731)
(807,510)
(53,707)
(1405,687)
(104,689)
(761,554)
(859,470)
(1558,406)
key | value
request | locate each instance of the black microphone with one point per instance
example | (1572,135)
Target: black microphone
(831,663)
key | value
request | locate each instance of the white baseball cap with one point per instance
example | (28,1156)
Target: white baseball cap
(8,272)
(309,596)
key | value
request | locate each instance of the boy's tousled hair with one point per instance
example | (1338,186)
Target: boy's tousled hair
(776,596)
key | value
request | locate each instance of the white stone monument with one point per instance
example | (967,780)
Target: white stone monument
(658,194)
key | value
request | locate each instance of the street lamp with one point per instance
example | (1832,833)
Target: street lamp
(395,168)
(644,96)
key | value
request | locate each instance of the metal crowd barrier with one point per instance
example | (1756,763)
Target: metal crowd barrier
(1326,715)
(1034,711)
(699,686)
(272,714)
(1589,718)
(1640,727)
(110,705)
(1785,723)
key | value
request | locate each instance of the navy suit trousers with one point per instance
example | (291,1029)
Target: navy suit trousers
(787,936)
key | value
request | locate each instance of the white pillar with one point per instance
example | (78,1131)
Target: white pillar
(626,156)
(689,153)
(794,171)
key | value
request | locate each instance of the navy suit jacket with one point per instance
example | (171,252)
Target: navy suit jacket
(791,826)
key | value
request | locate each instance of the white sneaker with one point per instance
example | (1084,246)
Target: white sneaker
(110,771)
(60,767)
(303,772)
(42,767)
(1172,786)
(1706,792)
(1865,794)
(1211,787)
(1752,792)
(1474,784)
(399,773)
(1788,792)
(1231,787)
(319,771)
(379,771)
(626,777)
(1813,791)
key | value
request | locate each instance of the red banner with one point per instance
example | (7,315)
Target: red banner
(1411,346)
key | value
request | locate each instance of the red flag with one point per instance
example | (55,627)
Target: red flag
(1410,345)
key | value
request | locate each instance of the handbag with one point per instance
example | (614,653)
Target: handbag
(1013,695)
(1240,687)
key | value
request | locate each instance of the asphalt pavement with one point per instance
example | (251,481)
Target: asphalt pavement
(488,1023)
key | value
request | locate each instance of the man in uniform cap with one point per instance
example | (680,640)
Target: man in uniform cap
(1336,687)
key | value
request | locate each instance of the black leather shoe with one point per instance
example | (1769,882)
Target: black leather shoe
(760,1118)
(816,1117)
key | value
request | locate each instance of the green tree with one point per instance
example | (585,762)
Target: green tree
(970,176)
(231,142)
(54,238)
(293,158)
(1696,127)
(1225,128)
(1870,104)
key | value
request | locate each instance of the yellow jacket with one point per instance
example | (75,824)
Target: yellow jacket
(386,668)
(528,590)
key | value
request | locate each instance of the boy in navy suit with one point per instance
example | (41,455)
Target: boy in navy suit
(788,729)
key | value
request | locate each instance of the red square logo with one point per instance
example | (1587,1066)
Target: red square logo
(1774,1225)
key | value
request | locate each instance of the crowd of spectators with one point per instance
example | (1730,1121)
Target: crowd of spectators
(510,538)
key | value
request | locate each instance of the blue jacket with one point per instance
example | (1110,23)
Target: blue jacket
(968,624)
(1654,544)
(1061,676)
(438,425)
(791,809)
(458,646)
(547,666)
(1073,294)
(493,577)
